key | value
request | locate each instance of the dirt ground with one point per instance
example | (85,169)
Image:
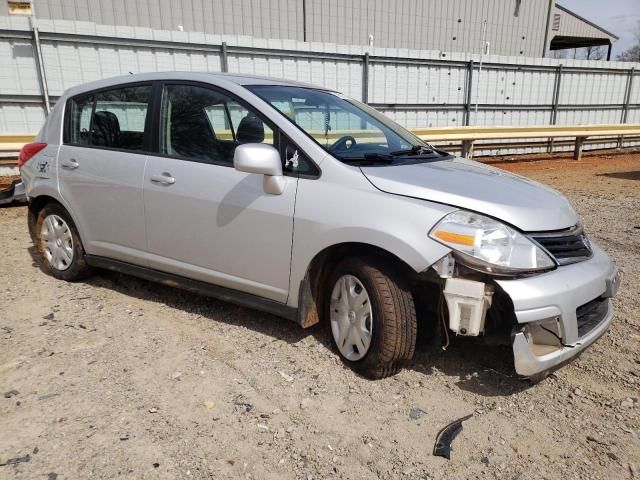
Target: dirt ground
(121,378)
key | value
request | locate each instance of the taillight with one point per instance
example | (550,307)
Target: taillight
(28,151)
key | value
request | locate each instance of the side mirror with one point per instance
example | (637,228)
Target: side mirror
(262,159)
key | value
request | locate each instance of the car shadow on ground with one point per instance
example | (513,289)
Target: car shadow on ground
(480,369)
(633,175)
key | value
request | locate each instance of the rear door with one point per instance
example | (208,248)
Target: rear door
(101,168)
(205,220)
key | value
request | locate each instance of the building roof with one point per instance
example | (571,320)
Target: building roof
(588,22)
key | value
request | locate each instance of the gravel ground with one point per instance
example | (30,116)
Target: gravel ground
(118,377)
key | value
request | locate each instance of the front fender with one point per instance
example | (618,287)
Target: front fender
(329,214)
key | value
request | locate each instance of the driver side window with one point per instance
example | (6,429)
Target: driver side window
(204,125)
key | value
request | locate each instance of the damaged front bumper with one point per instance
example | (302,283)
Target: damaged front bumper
(561,313)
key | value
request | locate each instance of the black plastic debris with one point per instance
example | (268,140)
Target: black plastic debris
(442,448)
(15,460)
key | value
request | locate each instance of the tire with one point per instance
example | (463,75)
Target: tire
(59,245)
(391,325)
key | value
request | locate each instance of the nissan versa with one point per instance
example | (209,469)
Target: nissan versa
(301,202)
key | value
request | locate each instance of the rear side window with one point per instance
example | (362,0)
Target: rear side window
(111,119)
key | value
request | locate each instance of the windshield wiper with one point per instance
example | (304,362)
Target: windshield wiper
(369,158)
(415,150)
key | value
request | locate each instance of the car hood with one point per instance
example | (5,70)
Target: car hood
(523,203)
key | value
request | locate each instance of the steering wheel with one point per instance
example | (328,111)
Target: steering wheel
(342,143)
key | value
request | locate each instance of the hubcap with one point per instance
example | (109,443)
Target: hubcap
(57,242)
(351,317)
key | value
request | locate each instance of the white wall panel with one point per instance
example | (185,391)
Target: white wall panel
(507,87)
(419,92)
(586,117)
(420,118)
(17,68)
(391,83)
(594,88)
(635,89)
(21,118)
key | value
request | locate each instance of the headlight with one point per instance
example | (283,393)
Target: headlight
(489,245)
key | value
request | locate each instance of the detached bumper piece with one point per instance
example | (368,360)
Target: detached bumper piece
(14,194)
(538,346)
(442,448)
(534,355)
(560,313)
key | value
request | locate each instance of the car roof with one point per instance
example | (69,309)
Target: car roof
(207,77)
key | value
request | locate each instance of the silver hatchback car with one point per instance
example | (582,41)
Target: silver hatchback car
(301,202)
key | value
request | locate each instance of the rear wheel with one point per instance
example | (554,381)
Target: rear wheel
(371,317)
(59,244)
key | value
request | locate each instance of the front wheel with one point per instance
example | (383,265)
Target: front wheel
(59,244)
(371,317)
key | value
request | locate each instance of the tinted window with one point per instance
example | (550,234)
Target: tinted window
(112,119)
(248,128)
(205,125)
(119,118)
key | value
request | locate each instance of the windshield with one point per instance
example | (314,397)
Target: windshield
(349,130)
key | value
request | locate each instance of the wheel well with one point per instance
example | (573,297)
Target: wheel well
(35,205)
(311,298)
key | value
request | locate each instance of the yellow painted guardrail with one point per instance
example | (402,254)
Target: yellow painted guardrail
(466,135)
(536,131)
(13,142)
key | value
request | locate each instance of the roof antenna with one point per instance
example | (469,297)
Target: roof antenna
(484,50)
(130,73)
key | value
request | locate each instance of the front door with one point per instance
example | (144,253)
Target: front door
(204,219)
(101,168)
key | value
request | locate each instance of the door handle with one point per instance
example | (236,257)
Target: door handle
(165,179)
(70,163)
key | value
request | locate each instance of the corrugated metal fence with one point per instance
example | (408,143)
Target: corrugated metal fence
(416,88)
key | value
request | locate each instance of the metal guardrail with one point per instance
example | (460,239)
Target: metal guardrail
(468,135)
(10,144)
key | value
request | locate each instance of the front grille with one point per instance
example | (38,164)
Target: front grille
(591,314)
(567,246)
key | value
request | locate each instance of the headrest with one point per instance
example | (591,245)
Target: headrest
(250,130)
(106,129)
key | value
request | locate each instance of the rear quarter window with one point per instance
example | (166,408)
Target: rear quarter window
(80,120)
